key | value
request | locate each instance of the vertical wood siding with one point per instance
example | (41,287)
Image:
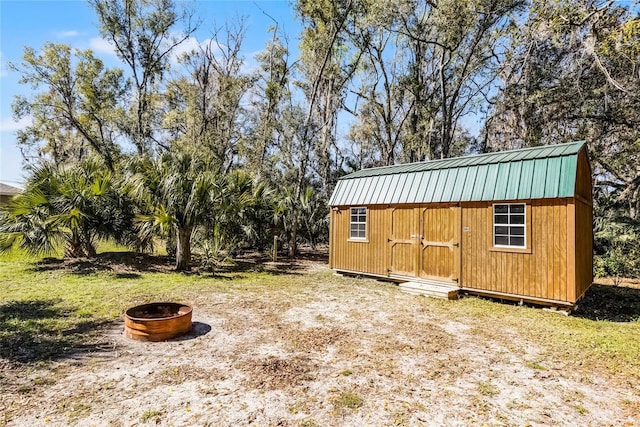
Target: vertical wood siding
(584,248)
(440,230)
(369,256)
(556,265)
(538,272)
(403,246)
(584,226)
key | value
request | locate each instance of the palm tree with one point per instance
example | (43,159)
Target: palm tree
(180,189)
(185,196)
(71,205)
(238,194)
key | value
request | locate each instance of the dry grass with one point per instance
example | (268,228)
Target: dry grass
(277,373)
(293,345)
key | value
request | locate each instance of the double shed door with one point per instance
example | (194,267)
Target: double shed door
(425,242)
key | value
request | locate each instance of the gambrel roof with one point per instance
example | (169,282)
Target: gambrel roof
(530,173)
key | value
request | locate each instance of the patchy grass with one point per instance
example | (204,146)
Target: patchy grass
(536,365)
(278,373)
(575,341)
(151,415)
(334,350)
(487,389)
(50,309)
(348,400)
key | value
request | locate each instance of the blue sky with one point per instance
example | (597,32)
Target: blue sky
(33,23)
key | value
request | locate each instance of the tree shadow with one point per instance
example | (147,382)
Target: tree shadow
(280,268)
(33,331)
(129,265)
(612,303)
(284,265)
(128,275)
(125,264)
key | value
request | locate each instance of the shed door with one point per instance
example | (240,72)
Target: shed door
(403,242)
(440,242)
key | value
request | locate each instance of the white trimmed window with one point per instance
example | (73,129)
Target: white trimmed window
(509,225)
(358,223)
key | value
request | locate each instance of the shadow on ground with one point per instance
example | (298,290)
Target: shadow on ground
(198,329)
(33,331)
(124,264)
(130,265)
(612,303)
(284,264)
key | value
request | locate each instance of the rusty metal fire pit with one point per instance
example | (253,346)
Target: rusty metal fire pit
(157,321)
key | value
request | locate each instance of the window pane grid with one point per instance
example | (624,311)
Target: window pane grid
(358,223)
(509,225)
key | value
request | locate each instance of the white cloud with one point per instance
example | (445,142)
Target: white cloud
(189,45)
(186,46)
(98,44)
(250,64)
(10,125)
(67,34)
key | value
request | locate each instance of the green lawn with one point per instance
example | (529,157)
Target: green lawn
(49,308)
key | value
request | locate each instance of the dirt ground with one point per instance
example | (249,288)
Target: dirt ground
(341,352)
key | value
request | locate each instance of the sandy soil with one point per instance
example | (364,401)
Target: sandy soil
(351,352)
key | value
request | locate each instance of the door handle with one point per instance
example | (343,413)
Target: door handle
(416,236)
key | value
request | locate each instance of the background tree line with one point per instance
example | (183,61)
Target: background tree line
(210,154)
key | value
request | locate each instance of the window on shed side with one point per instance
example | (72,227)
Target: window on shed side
(509,225)
(358,223)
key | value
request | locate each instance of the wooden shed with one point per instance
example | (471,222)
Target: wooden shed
(513,224)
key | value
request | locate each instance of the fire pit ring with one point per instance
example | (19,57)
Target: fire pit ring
(157,321)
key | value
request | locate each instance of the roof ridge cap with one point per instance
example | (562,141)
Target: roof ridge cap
(495,153)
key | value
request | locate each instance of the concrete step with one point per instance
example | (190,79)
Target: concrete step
(431,288)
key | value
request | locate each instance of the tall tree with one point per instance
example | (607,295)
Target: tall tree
(268,98)
(458,44)
(384,107)
(295,157)
(574,74)
(204,107)
(144,34)
(328,66)
(285,134)
(74,113)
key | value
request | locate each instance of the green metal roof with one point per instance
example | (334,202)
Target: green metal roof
(529,173)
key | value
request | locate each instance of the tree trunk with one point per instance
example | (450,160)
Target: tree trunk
(293,248)
(90,250)
(74,248)
(183,248)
